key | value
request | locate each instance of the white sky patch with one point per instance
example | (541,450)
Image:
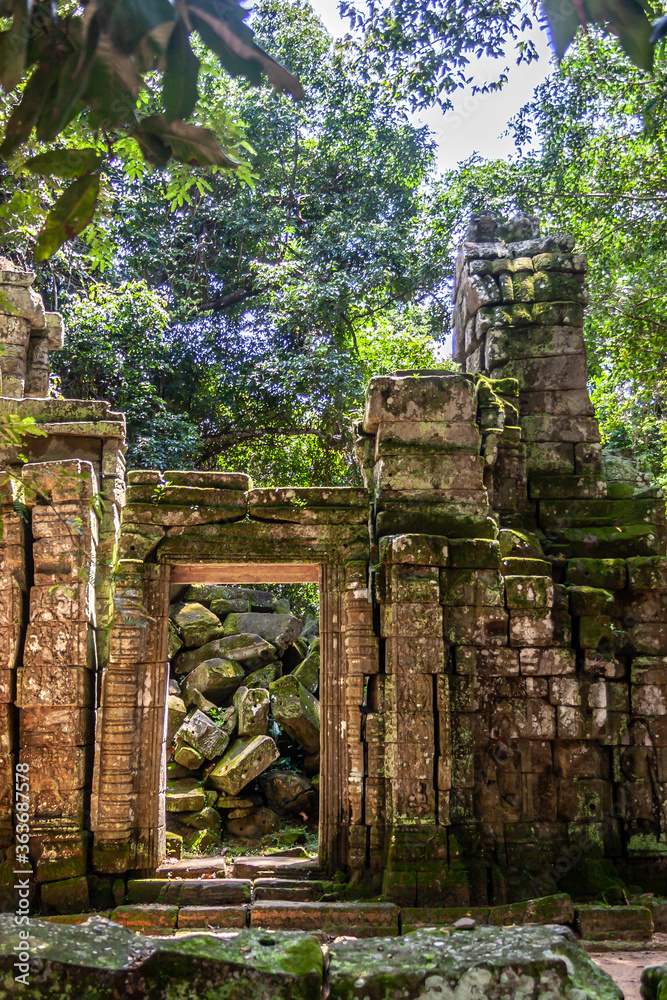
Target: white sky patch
(477,121)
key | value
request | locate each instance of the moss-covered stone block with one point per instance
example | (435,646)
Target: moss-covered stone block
(414,549)
(474,553)
(524,566)
(297,711)
(614,923)
(529,591)
(69,895)
(647,573)
(605,574)
(153,918)
(535,962)
(244,761)
(591,601)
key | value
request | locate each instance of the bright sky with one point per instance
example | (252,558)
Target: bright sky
(477,121)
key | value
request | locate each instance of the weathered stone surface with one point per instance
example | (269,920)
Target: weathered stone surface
(176,714)
(262,678)
(203,735)
(297,711)
(308,671)
(252,707)
(99,959)
(185,795)
(215,679)
(605,574)
(188,757)
(244,761)
(197,625)
(250,650)
(357,919)
(279,630)
(209,917)
(255,824)
(190,891)
(535,962)
(288,792)
(614,923)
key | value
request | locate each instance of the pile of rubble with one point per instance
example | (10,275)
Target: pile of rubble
(244,674)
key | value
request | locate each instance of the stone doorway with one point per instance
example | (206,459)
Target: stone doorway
(243,715)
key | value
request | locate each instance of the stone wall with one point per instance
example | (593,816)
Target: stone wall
(493,614)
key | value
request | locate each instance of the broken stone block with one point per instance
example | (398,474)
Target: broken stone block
(197,700)
(252,707)
(295,654)
(176,712)
(239,802)
(255,825)
(175,771)
(215,679)
(297,711)
(185,795)
(174,641)
(206,819)
(197,625)
(244,761)
(287,792)
(203,841)
(308,672)
(606,574)
(590,601)
(279,630)
(204,735)
(262,678)
(188,757)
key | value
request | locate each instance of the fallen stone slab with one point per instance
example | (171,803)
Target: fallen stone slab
(308,671)
(250,650)
(556,909)
(354,919)
(192,866)
(288,792)
(531,963)
(203,735)
(618,923)
(214,679)
(185,795)
(101,960)
(279,630)
(297,711)
(197,625)
(190,892)
(255,824)
(252,707)
(244,761)
(415,917)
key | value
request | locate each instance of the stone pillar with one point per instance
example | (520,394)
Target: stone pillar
(13,604)
(27,334)
(55,685)
(127,808)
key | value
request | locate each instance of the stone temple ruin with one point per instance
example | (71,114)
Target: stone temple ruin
(493,631)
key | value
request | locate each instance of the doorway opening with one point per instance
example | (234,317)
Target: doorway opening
(243,718)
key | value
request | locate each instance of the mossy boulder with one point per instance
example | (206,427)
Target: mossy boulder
(297,711)
(280,630)
(196,625)
(243,762)
(308,671)
(100,960)
(530,962)
(264,676)
(185,795)
(252,706)
(203,735)
(215,679)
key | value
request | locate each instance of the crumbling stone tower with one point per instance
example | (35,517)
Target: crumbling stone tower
(494,615)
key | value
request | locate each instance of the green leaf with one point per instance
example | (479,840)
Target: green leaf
(179,87)
(562,23)
(132,20)
(60,104)
(221,28)
(14,44)
(188,143)
(23,117)
(113,85)
(64,162)
(69,216)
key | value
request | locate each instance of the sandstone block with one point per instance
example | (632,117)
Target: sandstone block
(649,638)
(552,487)
(414,549)
(615,923)
(201,733)
(176,712)
(243,762)
(287,792)
(279,630)
(419,654)
(252,707)
(437,397)
(215,679)
(537,628)
(564,427)
(308,671)
(262,678)
(471,586)
(474,553)
(250,650)
(188,757)
(529,592)
(297,711)
(197,625)
(255,825)
(446,471)
(411,619)
(606,574)
(647,573)
(185,795)
(591,601)
(476,626)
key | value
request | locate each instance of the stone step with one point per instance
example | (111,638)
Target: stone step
(194,867)
(276,867)
(294,890)
(190,891)
(353,919)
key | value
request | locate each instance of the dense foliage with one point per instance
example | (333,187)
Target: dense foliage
(237,324)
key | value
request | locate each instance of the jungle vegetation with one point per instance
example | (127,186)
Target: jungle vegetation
(235,312)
